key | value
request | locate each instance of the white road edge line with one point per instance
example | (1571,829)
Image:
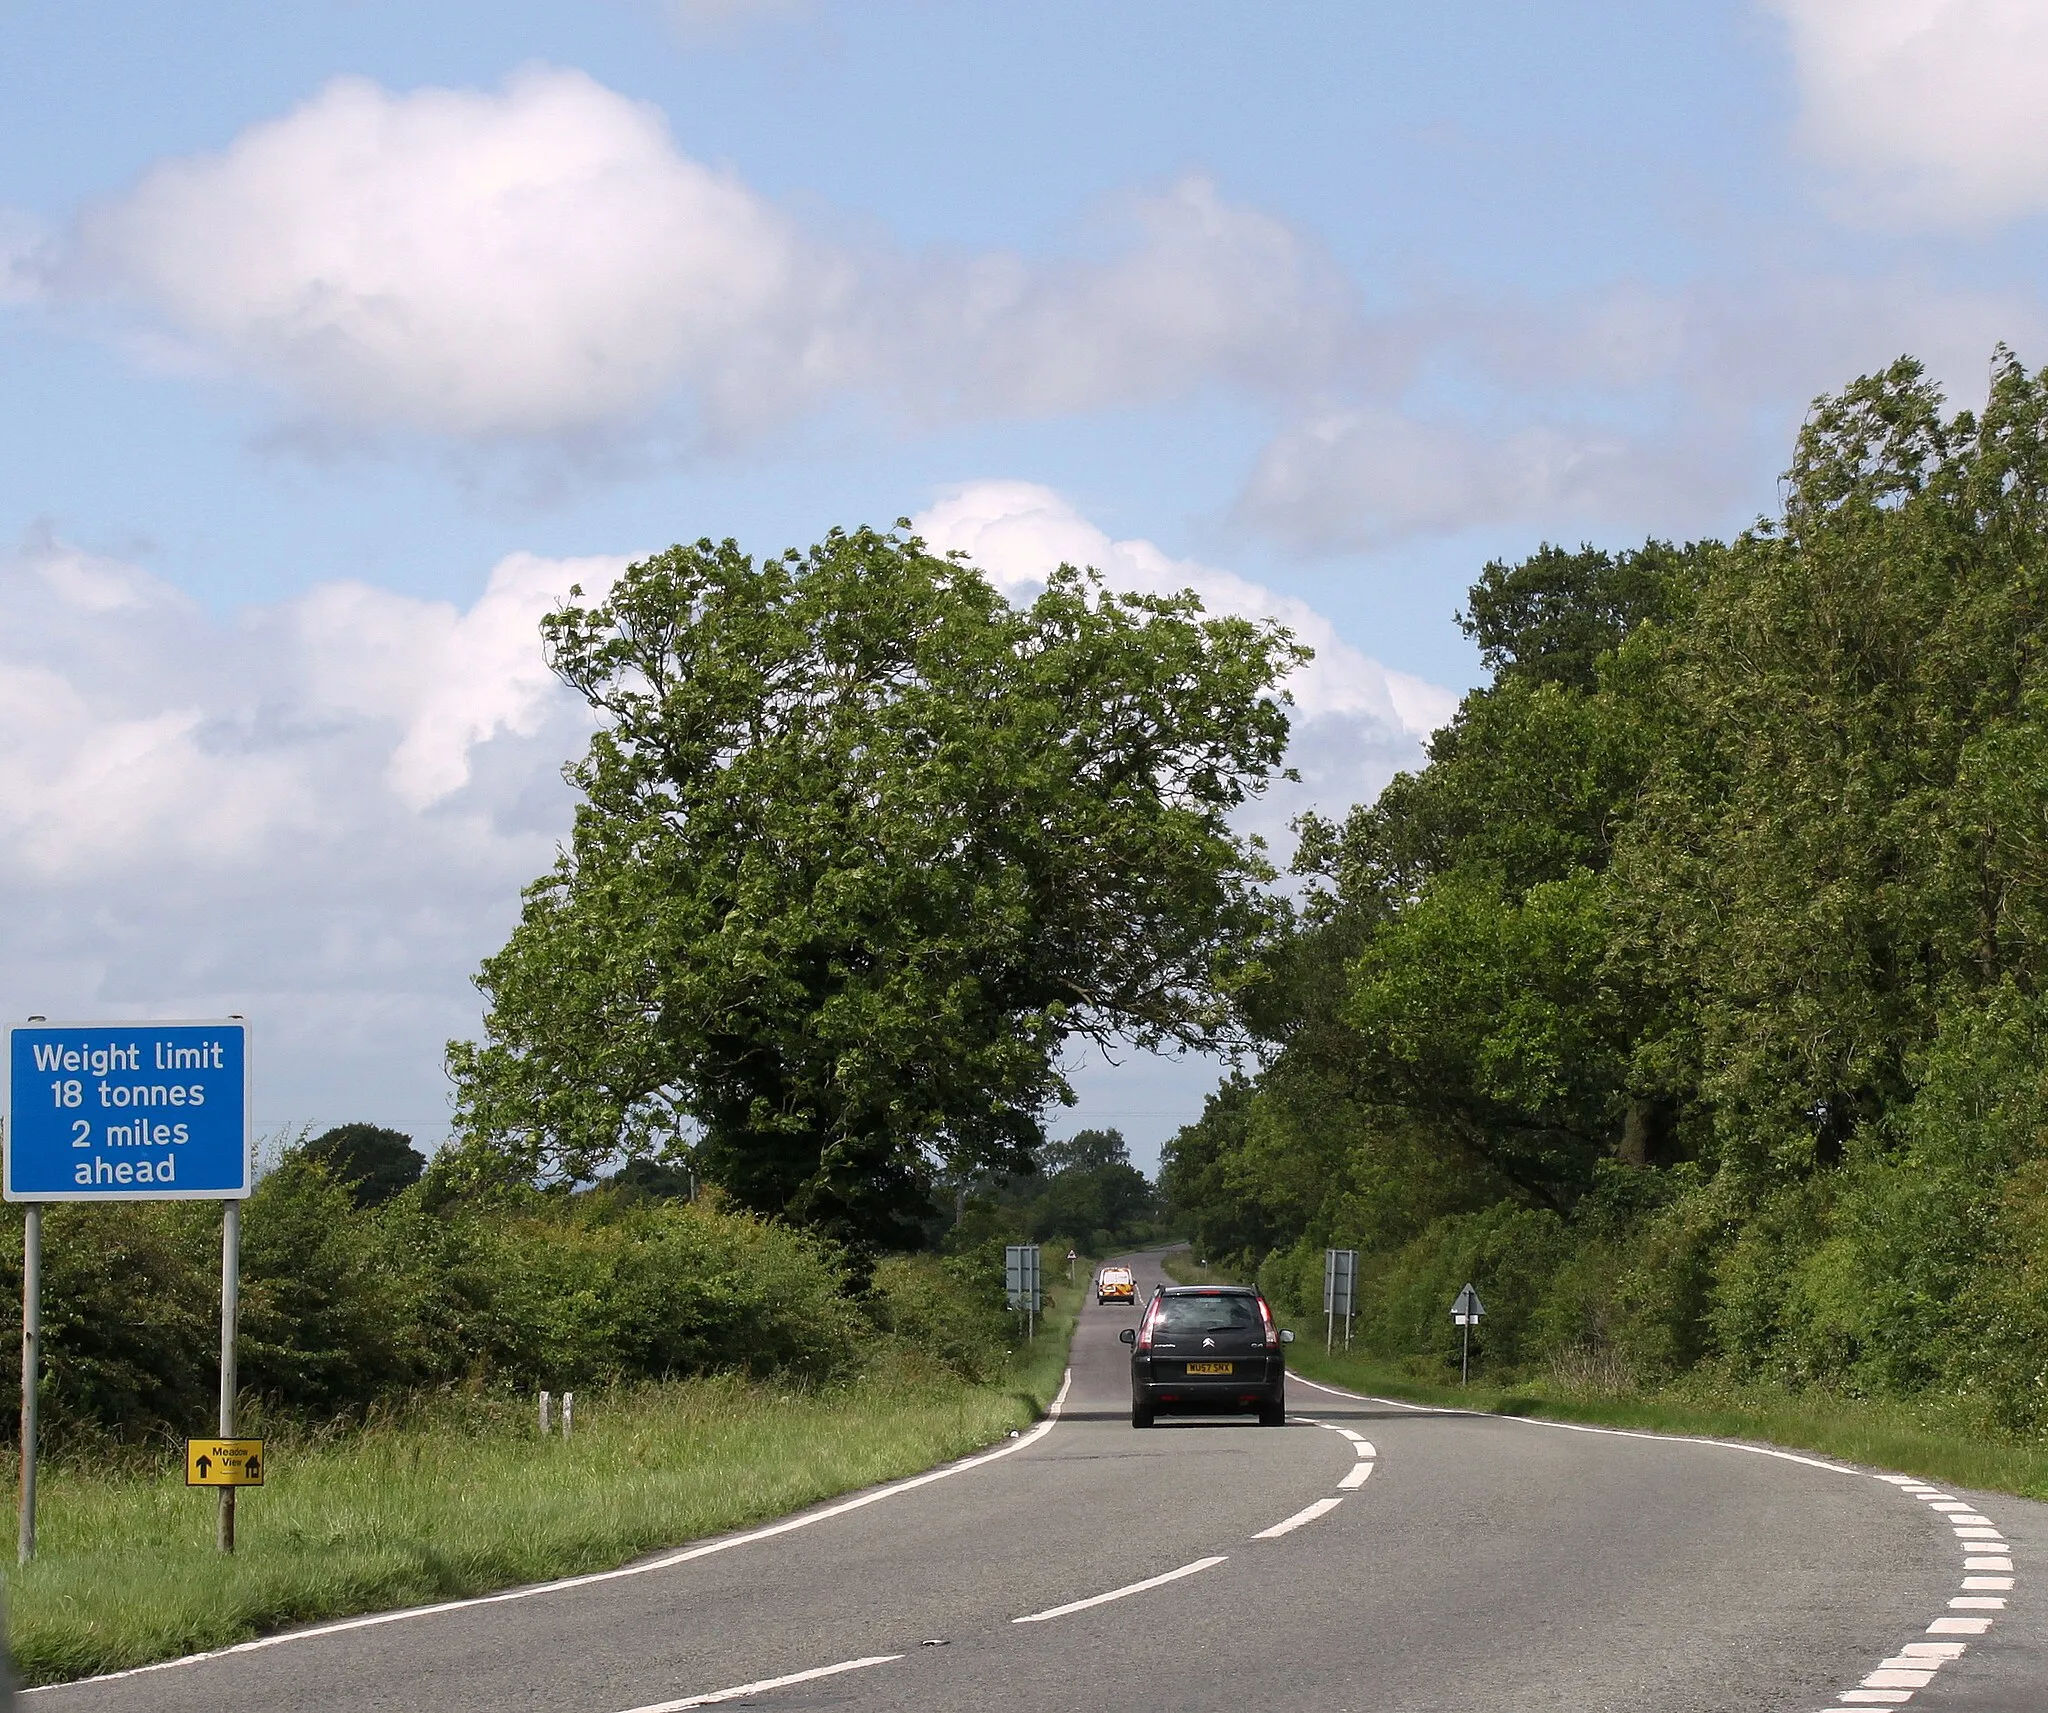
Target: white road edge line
(1308,1514)
(1937,1502)
(1119,1593)
(668,1561)
(1580,1427)
(766,1684)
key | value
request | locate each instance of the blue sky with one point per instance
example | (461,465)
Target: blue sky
(337,340)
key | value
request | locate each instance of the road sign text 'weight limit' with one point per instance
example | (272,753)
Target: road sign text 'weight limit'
(127,1111)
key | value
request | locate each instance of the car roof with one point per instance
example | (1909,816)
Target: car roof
(1208,1291)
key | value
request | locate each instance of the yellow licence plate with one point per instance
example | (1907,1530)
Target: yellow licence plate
(1208,1367)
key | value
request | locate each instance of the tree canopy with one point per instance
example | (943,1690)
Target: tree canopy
(860,845)
(1713,937)
(373,1162)
(1085,1191)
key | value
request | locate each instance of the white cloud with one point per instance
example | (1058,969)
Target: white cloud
(1932,107)
(1199,288)
(1357,722)
(1622,414)
(1366,477)
(318,813)
(529,262)
(543,261)
(452,679)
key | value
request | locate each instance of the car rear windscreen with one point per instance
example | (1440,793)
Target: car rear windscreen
(1209,1314)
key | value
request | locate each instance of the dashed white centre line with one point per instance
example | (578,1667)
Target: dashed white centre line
(740,1690)
(1356,1478)
(1307,1514)
(1117,1593)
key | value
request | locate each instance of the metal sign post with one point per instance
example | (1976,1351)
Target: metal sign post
(1340,1292)
(31,1375)
(1465,1313)
(230,1319)
(124,1112)
(1020,1279)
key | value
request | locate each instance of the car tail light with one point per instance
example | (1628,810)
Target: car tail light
(1152,1319)
(1266,1315)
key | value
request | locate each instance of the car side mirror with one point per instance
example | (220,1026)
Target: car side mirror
(1286,1337)
(1129,1335)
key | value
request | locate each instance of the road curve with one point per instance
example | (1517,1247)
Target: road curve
(1368,1555)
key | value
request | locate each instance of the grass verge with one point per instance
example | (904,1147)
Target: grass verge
(1937,1439)
(462,1496)
(1931,1439)
(1181,1266)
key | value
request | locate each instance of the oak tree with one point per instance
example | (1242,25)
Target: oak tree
(861,845)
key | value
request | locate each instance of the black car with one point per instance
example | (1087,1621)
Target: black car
(1207,1348)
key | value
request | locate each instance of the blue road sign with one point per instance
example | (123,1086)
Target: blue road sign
(127,1111)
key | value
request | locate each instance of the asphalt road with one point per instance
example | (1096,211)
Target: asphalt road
(1479,1564)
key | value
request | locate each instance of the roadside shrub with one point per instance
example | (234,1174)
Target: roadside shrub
(1508,1253)
(944,1310)
(131,1327)
(345,1307)
(328,1322)
(596,1289)
(1292,1280)
(1663,1290)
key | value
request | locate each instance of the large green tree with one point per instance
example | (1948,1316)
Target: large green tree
(861,845)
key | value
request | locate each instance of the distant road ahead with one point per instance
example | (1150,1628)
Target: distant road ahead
(1367,1556)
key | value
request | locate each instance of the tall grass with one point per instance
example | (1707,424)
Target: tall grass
(1181,1266)
(459,1495)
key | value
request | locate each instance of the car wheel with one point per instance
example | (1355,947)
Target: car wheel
(1273,1412)
(1141,1414)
